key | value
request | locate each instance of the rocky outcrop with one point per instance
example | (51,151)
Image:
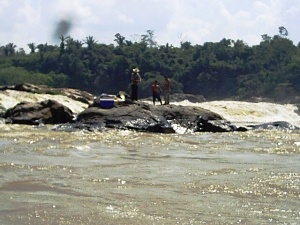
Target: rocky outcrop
(47,112)
(139,116)
(133,116)
(161,119)
(78,95)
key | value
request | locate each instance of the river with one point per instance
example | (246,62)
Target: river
(50,176)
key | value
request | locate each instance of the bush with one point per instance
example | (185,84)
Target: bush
(17,75)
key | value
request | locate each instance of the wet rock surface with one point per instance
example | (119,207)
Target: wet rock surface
(46,112)
(139,116)
(161,119)
(78,95)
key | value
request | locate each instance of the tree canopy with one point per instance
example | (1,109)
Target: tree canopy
(224,69)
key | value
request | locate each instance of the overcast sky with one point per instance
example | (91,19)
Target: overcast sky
(173,21)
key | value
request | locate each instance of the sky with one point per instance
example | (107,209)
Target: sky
(172,21)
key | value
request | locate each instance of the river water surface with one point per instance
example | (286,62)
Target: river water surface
(124,177)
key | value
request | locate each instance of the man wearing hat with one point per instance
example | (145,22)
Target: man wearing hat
(135,79)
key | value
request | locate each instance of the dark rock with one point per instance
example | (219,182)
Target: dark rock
(75,94)
(176,97)
(5,87)
(27,87)
(137,116)
(78,95)
(159,119)
(47,112)
(241,129)
(214,125)
(280,125)
(134,116)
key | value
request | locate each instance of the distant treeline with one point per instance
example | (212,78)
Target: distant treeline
(225,69)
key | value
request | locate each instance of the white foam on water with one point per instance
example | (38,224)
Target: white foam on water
(10,98)
(240,112)
(237,112)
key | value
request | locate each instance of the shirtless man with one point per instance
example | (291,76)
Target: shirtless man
(156,90)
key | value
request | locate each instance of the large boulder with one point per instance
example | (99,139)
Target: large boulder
(161,119)
(47,112)
(133,116)
(76,94)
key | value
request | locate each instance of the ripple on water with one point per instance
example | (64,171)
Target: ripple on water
(143,178)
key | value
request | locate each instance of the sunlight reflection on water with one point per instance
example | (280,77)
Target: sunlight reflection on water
(125,177)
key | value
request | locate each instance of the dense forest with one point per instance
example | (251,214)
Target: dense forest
(216,70)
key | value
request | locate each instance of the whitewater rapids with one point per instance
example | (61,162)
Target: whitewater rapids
(237,112)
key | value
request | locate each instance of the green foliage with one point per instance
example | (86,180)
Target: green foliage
(58,80)
(16,75)
(222,69)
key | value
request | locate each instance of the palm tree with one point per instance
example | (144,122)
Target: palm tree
(90,41)
(63,40)
(32,47)
(119,39)
(42,48)
(73,43)
(10,49)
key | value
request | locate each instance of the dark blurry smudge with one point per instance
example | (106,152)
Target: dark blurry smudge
(63,27)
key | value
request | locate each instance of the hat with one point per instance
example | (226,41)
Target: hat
(136,70)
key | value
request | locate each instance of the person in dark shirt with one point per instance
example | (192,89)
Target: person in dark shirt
(135,80)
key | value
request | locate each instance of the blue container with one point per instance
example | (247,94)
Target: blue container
(107,103)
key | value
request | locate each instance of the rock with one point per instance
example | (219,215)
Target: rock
(134,117)
(176,97)
(47,112)
(27,87)
(280,125)
(159,119)
(75,94)
(139,116)
(78,95)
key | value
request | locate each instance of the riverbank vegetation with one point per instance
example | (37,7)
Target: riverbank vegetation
(216,70)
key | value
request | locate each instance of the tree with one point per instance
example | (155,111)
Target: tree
(185,45)
(10,49)
(42,48)
(119,39)
(90,41)
(73,45)
(148,38)
(32,47)
(266,37)
(215,69)
(63,40)
(21,51)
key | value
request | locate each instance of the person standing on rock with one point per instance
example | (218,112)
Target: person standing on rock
(156,90)
(167,90)
(135,80)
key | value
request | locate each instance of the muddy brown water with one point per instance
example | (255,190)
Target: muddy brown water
(124,177)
